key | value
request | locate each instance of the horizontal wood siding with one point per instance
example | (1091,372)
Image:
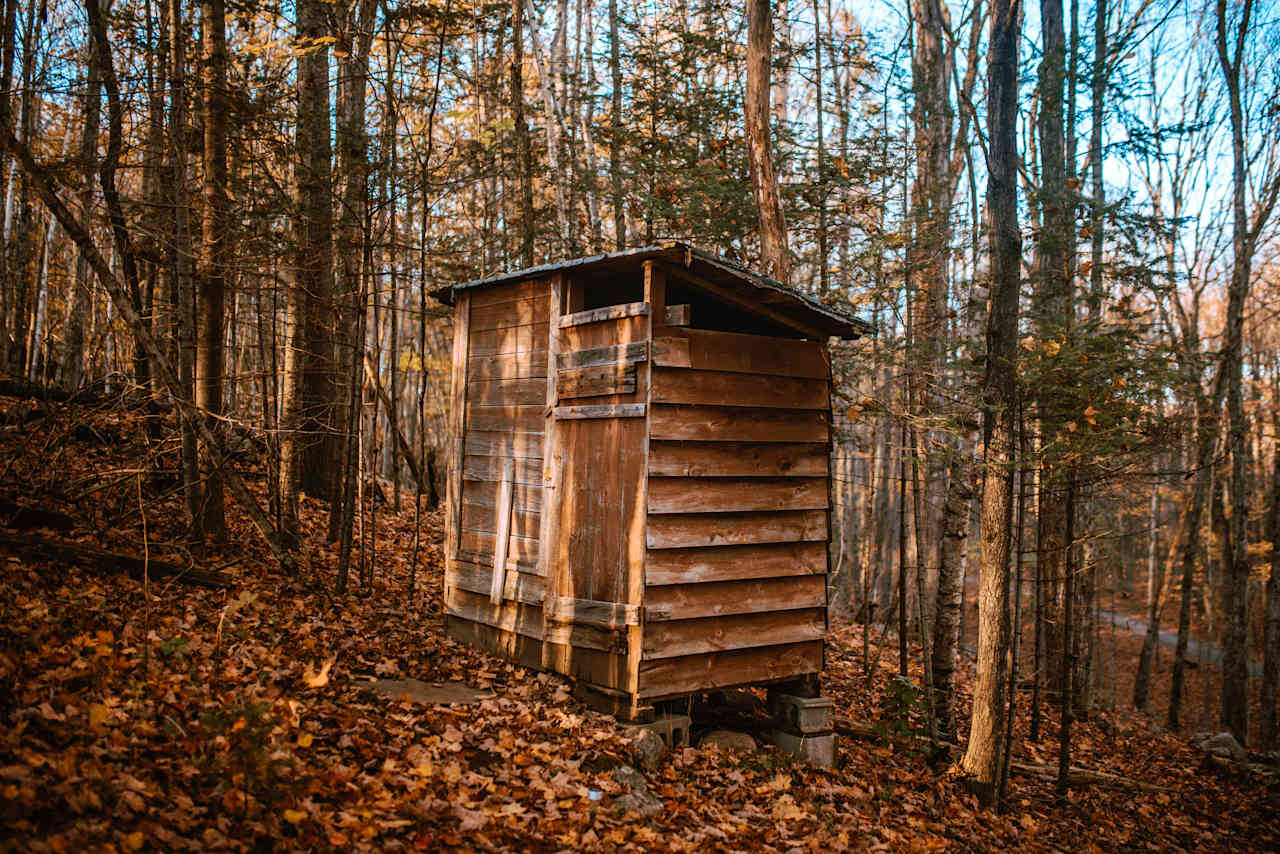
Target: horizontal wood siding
(719,598)
(730,494)
(701,565)
(737,500)
(505,406)
(673,677)
(704,350)
(736,459)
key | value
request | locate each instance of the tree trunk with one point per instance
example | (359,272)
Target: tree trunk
(73,343)
(615,132)
(983,755)
(1053,313)
(524,157)
(1271,624)
(1235,560)
(775,256)
(307,453)
(211,266)
(179,256)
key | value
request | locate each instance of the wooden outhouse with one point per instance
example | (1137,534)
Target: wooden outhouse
(638,490)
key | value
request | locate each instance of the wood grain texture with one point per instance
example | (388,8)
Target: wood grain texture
(521,419)
(486,443)
(739,631)
(616,378)
(718,598)
(614,333)
(607,410)
(721,388)
(519,586)
(599,667)
(697,565)
(486,469)
(522,392)
(519,648)
(707,350)
(729,495)
(553,463)
(736,459)
(592,612)
(519,312)
(737,424)
(729,529)
(512,340)
(508,292)
(457,426)
(481,545)
(524,523)
(673,677)
(517,617)
(636,351)
(526,497)
(677,315)
(609,312)
(508,366)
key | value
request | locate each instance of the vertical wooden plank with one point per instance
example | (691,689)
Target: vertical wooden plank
(499,578)
(457,427)
(552,454)
(655,294)
(831,507)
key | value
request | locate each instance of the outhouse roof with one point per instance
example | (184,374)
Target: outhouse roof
(719,276)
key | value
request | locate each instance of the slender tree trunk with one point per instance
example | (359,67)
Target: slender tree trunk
(1235,559)
(615,131)
(1271,622)
(775,256)
(984,753)
(307,402)
(211,266)
(73,343)
(524,156)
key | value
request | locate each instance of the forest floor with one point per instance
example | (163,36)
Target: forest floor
(158,715)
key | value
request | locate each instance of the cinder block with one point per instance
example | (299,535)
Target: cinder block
(672,729)
(801,714)
(819,750)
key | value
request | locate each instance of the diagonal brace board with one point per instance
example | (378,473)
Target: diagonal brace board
(504,532)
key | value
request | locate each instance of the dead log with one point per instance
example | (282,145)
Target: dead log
(1078,776)
(77,554)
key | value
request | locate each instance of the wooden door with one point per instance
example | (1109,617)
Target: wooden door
(592,549)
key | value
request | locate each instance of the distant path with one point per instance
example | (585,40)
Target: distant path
(1196,650)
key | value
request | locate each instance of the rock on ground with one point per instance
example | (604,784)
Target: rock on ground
(725,739)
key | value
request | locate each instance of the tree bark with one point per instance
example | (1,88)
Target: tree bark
(211,266)
(775,256)
(615,132)
(1271,621)
(524,157)
(307,446)
(984,753)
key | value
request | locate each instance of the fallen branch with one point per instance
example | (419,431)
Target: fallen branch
(77,554)
(1078,776)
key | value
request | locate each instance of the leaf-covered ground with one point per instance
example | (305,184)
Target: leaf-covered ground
(171,717)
